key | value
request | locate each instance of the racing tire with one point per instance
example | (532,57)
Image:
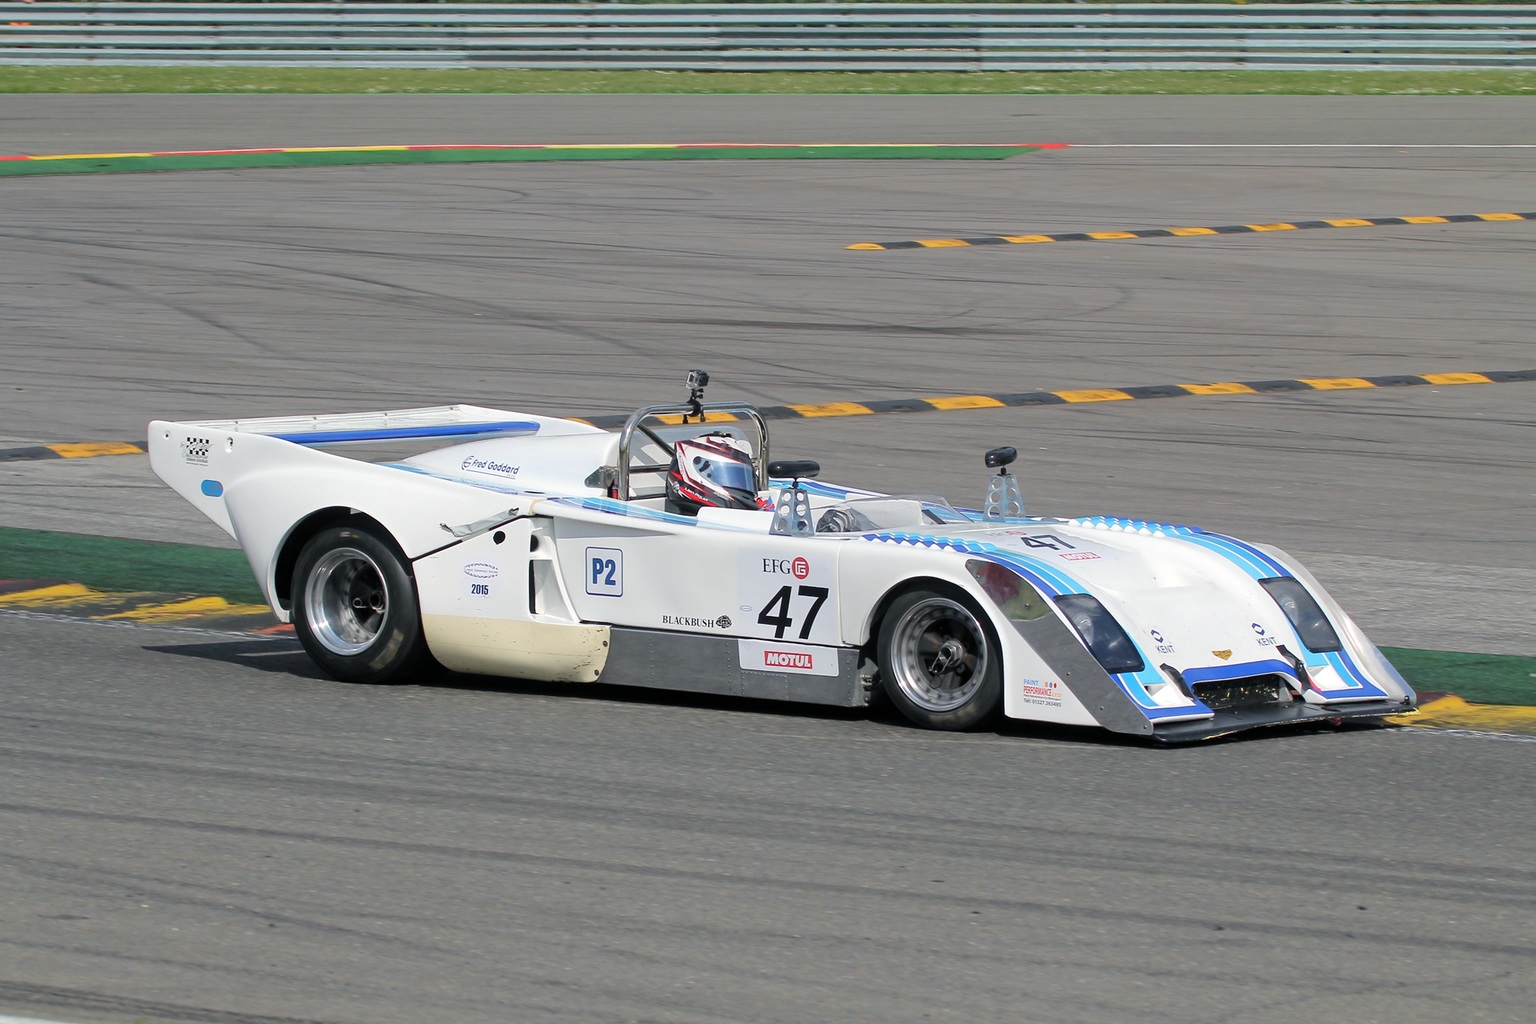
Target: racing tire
(940,662)
(355,610)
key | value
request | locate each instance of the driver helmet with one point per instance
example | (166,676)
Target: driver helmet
(714,470)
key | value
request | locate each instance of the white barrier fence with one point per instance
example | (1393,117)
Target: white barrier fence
(774,37)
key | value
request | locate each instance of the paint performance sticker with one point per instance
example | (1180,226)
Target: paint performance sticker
(792,659)
(1044,692)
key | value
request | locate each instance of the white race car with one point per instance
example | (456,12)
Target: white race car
(674,554)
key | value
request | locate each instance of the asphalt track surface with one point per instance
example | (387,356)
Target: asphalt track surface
(196,828)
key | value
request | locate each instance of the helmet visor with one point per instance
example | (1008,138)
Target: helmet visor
(724,472)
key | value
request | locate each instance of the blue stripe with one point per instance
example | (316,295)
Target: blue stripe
(1052,582)
(1134,685)
(1037,573)
(1260,566)
(1250,559)
(1063,583)
(1237,556)
(1246,557)
(1041,581)
(1135,525)
(459,430)
(613,506)
(1242,670)
(1344,665)
(822,490)
(1349,670)
(1276,568)
(1046,577)
(1256,563)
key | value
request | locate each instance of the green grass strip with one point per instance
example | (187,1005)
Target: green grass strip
(354,157)
(110,564)
(85,79)
(1478,678)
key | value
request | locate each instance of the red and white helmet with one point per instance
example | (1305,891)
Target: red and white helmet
(714,470)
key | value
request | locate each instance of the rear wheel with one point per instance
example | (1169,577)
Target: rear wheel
(939,661)
(354,608)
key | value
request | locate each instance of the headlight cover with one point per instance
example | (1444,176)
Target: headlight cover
(1306,617)
(1103,636)
(1010,591)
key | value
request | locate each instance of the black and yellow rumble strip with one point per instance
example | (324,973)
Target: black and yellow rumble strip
(1230,229)
(79,450)
(945,403)
(951,403)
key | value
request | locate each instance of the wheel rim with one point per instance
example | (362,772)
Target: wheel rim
(939,654)
(346,601)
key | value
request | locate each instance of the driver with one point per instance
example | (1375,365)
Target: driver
(712,470)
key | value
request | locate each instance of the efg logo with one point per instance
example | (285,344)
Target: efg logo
(788,659)
(799,568)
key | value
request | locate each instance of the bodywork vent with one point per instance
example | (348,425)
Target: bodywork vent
(1223,694)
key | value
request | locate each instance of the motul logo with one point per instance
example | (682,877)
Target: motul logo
(787,659)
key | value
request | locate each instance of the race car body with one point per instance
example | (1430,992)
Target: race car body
(546,549)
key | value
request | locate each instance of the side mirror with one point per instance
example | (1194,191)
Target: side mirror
(1000,457)
(794,469)
(792,513)
(1005,499)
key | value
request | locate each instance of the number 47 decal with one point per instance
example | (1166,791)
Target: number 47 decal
(776,612)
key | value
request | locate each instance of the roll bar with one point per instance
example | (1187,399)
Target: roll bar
(673,416)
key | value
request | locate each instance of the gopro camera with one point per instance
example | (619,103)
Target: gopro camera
(697,380)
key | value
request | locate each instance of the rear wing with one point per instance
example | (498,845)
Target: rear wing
(199,459)
(455,423)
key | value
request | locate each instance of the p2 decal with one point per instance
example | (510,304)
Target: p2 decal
(605,572)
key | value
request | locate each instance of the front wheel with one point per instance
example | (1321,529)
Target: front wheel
(939,662)
(354,608)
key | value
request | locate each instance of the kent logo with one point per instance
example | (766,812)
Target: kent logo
(787,659)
